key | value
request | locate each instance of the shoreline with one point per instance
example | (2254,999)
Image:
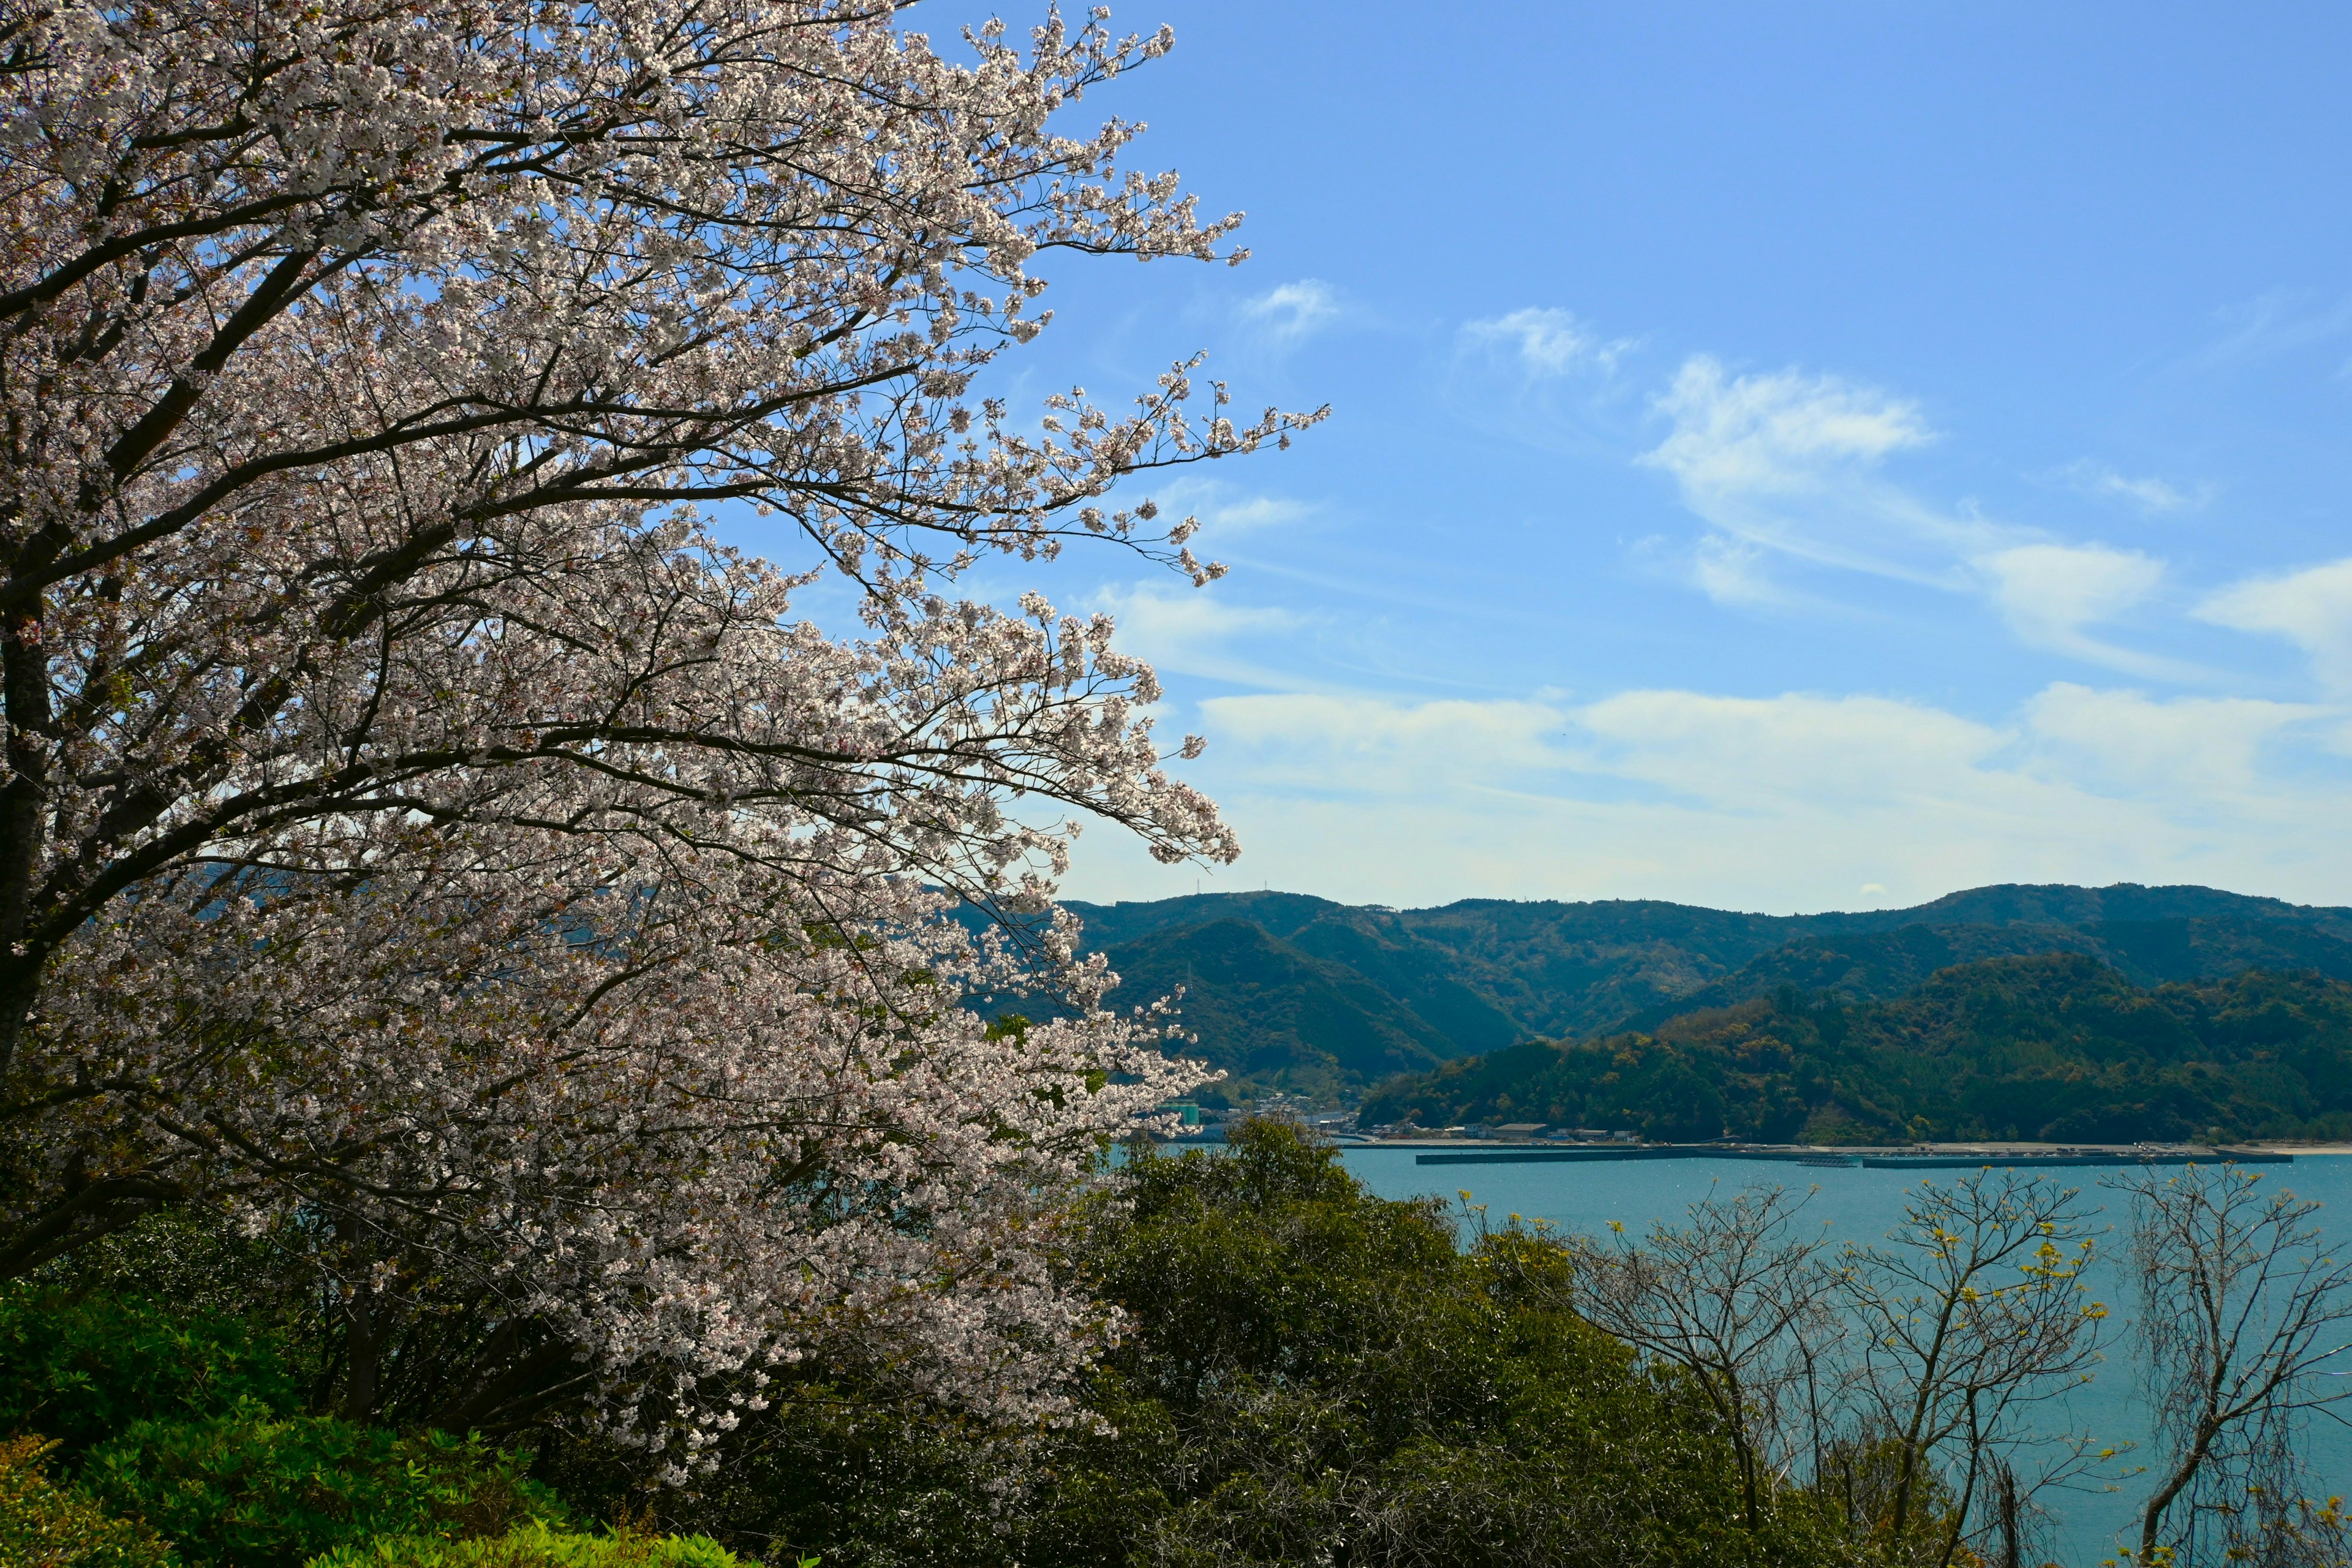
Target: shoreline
(1483,1150)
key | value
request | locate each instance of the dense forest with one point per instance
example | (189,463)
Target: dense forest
(1283,991)
(2059,1046)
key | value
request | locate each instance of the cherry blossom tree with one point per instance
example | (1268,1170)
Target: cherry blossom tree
(417,829)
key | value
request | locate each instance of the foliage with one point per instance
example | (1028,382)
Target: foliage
(84,1367)
(191,1420)
(1308,1375)
(45,1525)
(1327,1371)
(537,1545)
(2058,1047)
(252,1490)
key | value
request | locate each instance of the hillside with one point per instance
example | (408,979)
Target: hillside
(1269,1011)
(1329,998)
(2058,1047)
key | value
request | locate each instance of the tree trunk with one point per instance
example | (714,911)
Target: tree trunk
(24,805)
(366,1341)
(2152,1517)
(2012,1549)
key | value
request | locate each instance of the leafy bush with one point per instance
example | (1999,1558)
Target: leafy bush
(193,1420)
(44,1525)
(82,1369)
(535,1545)
(264,1491)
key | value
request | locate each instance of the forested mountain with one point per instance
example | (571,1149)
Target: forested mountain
(2059,1046)
(1289,990)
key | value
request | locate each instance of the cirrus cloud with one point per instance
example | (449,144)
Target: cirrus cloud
(2053,594)
(1291,312)
(1549,342)
(2312,608)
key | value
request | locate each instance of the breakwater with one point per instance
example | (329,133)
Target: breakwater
(1887,1159)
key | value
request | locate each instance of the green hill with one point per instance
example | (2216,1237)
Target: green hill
(2058,1047)
(1860,966)
(1330,997)
(1267,1011)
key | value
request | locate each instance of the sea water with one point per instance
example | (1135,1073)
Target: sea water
(1861,1204)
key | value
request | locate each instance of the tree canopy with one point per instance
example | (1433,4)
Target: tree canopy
(416,827)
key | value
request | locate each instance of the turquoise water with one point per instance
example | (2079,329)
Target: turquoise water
(1862,1206)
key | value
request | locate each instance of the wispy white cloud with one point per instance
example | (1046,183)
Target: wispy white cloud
(2148,493)
(1257,512)
(1291,312)
(1789,463)
(1226,509)
(1548,377)
(1196,632)
(1373,746)
(1732,571)
(2312,608)
(1801,752)
(1785,432)
(2207,748)
(2052,595)
(2278,321)
(1549,342)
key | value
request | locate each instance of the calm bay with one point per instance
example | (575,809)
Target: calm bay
(1860,1205)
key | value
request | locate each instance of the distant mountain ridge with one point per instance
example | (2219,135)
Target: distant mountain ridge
(1286,990)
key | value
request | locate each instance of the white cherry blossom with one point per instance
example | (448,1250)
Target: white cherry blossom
(414,823)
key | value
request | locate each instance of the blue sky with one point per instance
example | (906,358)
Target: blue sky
(1787,457)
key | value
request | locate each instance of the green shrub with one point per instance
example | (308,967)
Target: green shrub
(192,1421)
(44,1525)
(537,1546)
(81,1370)
(258,1490)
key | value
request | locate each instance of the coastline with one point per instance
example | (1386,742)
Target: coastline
(1499,1151)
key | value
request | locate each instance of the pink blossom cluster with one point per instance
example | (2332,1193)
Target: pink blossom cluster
(414,826)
